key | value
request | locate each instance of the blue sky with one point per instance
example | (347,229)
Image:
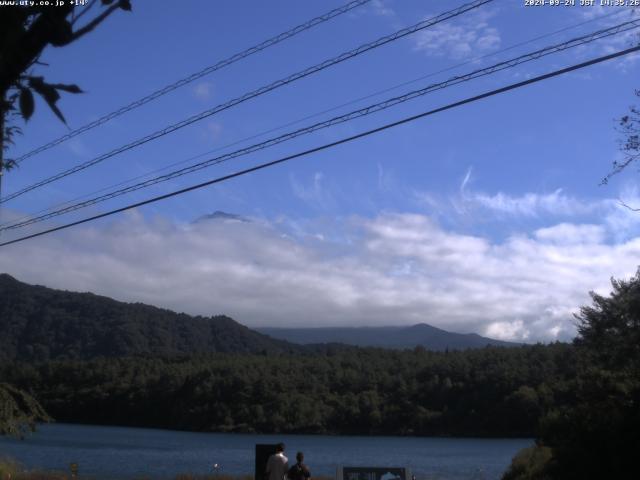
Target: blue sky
(487,218)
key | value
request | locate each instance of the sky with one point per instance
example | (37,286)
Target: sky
(488,218)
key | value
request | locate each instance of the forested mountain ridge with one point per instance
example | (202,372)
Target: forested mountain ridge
(491,391)
(403,337)
(40,323)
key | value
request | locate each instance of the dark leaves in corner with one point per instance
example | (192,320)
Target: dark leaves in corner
(26,103)
(49,92)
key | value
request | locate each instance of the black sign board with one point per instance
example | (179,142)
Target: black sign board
(373,473)
(263,452)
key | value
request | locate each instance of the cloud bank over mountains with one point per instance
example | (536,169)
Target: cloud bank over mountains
(392,269)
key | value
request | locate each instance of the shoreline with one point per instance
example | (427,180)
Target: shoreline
(288,434)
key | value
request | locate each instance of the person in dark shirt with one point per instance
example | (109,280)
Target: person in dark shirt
(299,471)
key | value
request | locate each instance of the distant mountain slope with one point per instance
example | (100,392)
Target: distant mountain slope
(429,337)
(39,323)
(222,216)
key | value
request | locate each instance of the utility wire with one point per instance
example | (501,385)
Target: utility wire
(314,115)
(326,146)
(195,76)
(255,93)
(362,112)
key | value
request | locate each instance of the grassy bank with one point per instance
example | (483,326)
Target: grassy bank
(12,470)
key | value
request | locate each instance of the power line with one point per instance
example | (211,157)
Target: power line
(195,76)
(377,107)
(326,146)
(255,93)
(317,114)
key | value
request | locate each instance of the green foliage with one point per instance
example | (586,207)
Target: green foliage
(594,427)
(95,360)
(19,411)
(485,392)
(25,32)
(8,468)
(11,470)
(529,464)
(610,328)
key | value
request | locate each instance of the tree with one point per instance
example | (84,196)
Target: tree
(596,433)
(25,32)
(19,411)
(629,127)
(609,330)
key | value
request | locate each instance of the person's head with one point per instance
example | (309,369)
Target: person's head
(280,448)
(299,457)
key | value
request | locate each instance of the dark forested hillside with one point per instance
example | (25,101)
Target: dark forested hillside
(39,323)
(424,335)
(157,368)
(482,392)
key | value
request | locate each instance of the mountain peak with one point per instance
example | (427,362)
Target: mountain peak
(224,216)
(6,278)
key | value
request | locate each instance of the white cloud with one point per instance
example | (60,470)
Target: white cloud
(613,217)
(382,8)
(214,130)
(386,180)
(314,194)
(532,204)
(394,269)
(79,148)
(616,42)
(466,179)
(465,38)
(508,330)
(568,233)
(203,90)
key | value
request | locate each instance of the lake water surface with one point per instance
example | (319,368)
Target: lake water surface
(126,453)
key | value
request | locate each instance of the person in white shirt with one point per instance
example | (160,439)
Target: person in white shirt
(278,464)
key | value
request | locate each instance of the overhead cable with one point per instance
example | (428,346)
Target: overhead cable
(326,146)
(362,112)
(255,93)
(195,76)
(473,60)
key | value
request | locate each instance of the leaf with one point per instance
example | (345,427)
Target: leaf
(57,111)
(67,88)
(46,90)
(26,103)
(125,5)
(9,164)
(60,33)
(49,93)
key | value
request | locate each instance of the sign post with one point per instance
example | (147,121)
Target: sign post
(263,452)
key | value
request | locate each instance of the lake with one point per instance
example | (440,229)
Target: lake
(126,453)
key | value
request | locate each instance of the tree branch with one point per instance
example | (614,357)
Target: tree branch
(628,206)
(85,9)
(94,23)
